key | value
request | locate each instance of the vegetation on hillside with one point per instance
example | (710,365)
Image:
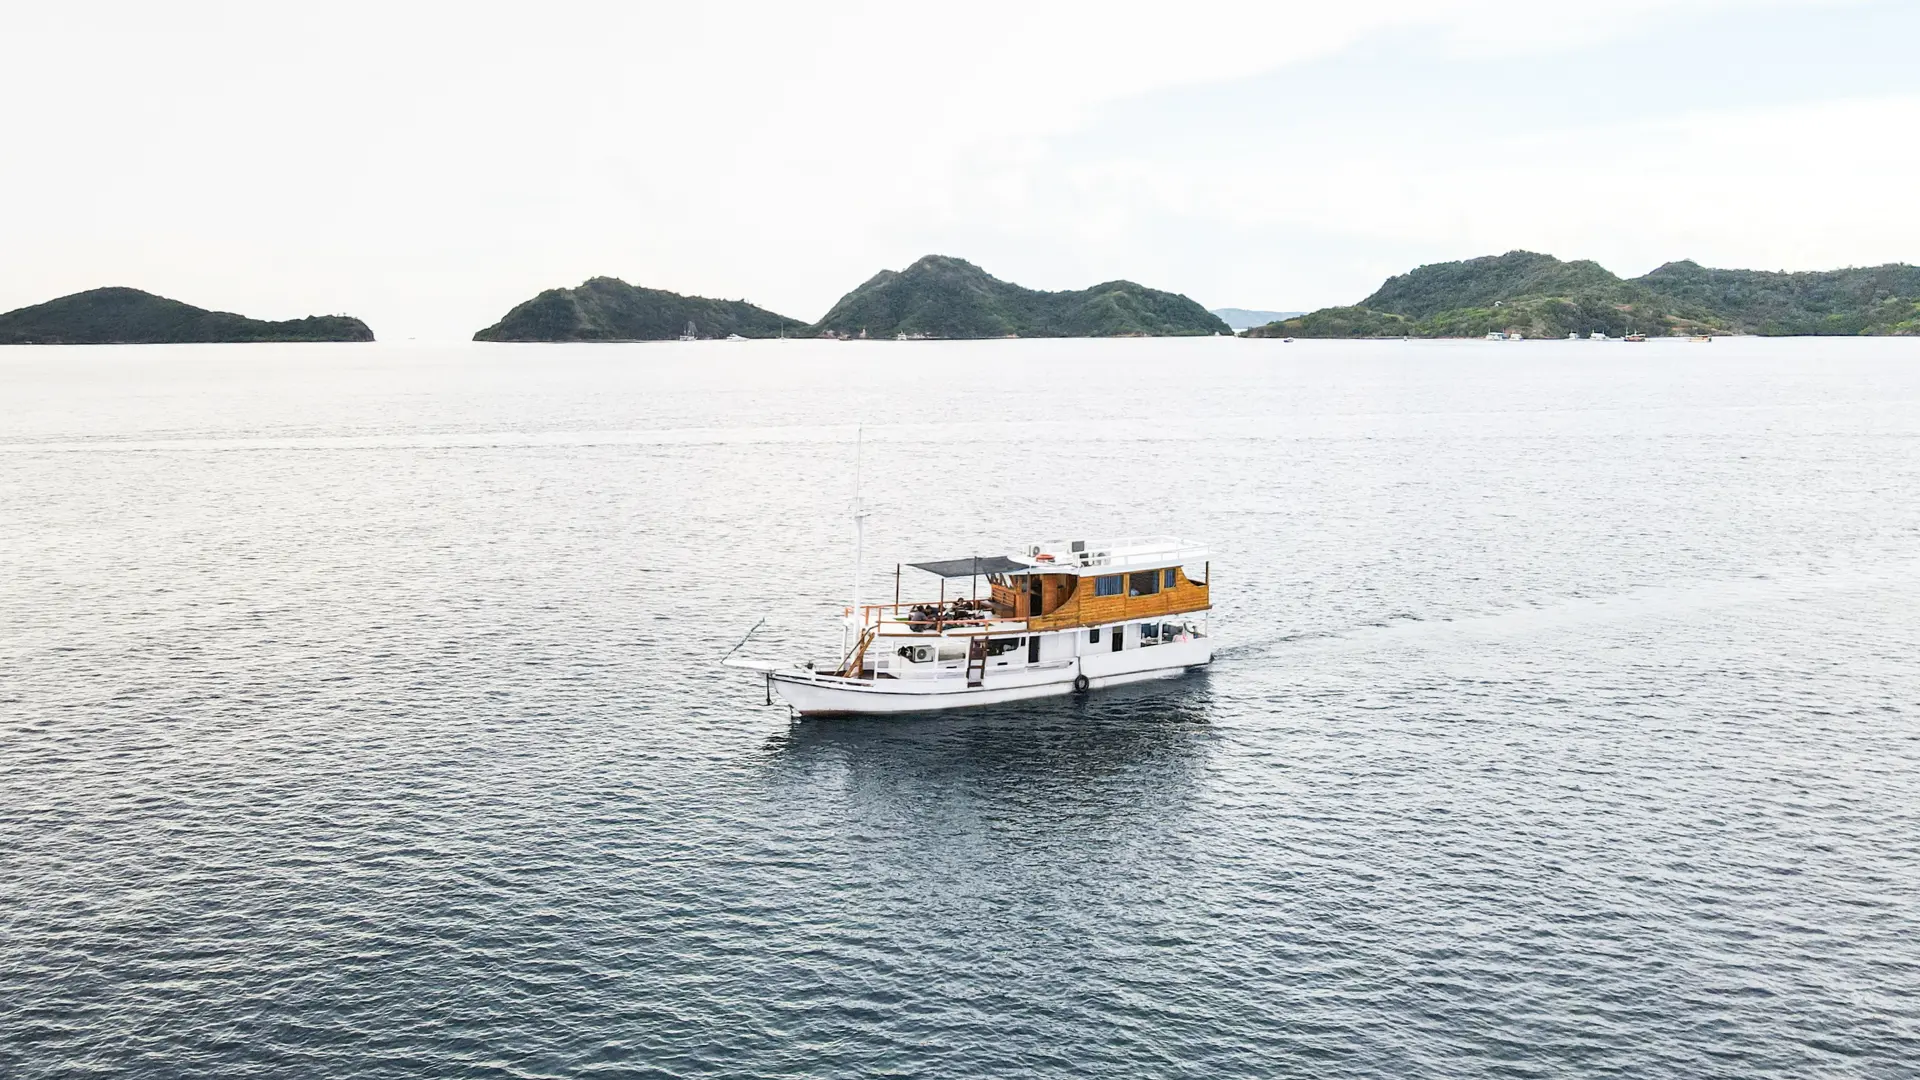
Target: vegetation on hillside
(120,316)
(945,297)
(608,309)
(1865,300)
(1481,283)
(1338,322)
(1539,296)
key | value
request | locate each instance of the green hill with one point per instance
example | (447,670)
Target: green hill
(1540,296)
(608,309)
(117,316)
(944,297)
(1481,283)
(1869,300)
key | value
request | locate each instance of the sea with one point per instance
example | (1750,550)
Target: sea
(361,713)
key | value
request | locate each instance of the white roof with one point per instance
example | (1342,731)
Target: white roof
(1094,557)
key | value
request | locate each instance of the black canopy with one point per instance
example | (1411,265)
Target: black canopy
(979,564)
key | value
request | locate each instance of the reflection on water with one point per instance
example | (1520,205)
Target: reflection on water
(1119,757)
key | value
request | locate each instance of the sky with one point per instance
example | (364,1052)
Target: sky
(427,166)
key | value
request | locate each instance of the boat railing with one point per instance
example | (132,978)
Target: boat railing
(930,615)
(1121,552)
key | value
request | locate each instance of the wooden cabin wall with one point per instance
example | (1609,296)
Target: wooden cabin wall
(1055,590)
(1084,608)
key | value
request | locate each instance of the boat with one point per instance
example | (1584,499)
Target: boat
(1058,618)
(1597,336)
(1634,337)
(1496,336)
(689,334)
(1705,339)
(1573,337)
(735,337)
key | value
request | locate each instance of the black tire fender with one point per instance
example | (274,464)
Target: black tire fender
(1080,684)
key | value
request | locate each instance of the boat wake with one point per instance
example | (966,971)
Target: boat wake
(1642,603)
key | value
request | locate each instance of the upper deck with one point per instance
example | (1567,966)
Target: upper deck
(1048,588)
(1054,585)
(1088,558)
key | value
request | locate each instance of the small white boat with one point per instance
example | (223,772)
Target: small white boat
(1496,336)
(689,334)
(1596,336)
(735,337)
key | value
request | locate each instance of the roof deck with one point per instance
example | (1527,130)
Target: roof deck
(1087,557)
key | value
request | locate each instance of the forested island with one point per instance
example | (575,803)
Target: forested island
(121,316)
(608,309)
(1538,295)
(936,297)
(944,297)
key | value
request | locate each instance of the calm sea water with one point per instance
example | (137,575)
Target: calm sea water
(358,714)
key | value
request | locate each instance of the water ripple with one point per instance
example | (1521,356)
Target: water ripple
(1569,724)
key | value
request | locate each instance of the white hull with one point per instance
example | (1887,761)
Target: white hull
(817,694)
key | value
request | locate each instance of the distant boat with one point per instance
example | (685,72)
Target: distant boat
(1573,337)
(689,334)
(1516,337)
(1596,336)
(1496,336)
(1286,341)
(1704,338)
(1634,337)
(735,337)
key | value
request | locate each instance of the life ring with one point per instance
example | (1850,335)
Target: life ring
(1043,558)
(1080,684)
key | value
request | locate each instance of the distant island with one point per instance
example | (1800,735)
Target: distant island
(936,297)
(1535,295)
(943,297)
(1247,319)
(119,316)
(608,309)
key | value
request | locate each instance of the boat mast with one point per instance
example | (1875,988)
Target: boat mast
(859,528)
(855,618)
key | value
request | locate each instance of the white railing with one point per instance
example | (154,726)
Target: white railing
(1121,552)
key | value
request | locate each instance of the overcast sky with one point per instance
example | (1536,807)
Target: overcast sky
(426,166)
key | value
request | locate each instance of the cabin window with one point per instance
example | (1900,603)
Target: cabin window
(1108,585)
(1119,638)
(1145,583)
(1033,649)
(1093,636)
(1149,634)
(1004,645)
(1166,578)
